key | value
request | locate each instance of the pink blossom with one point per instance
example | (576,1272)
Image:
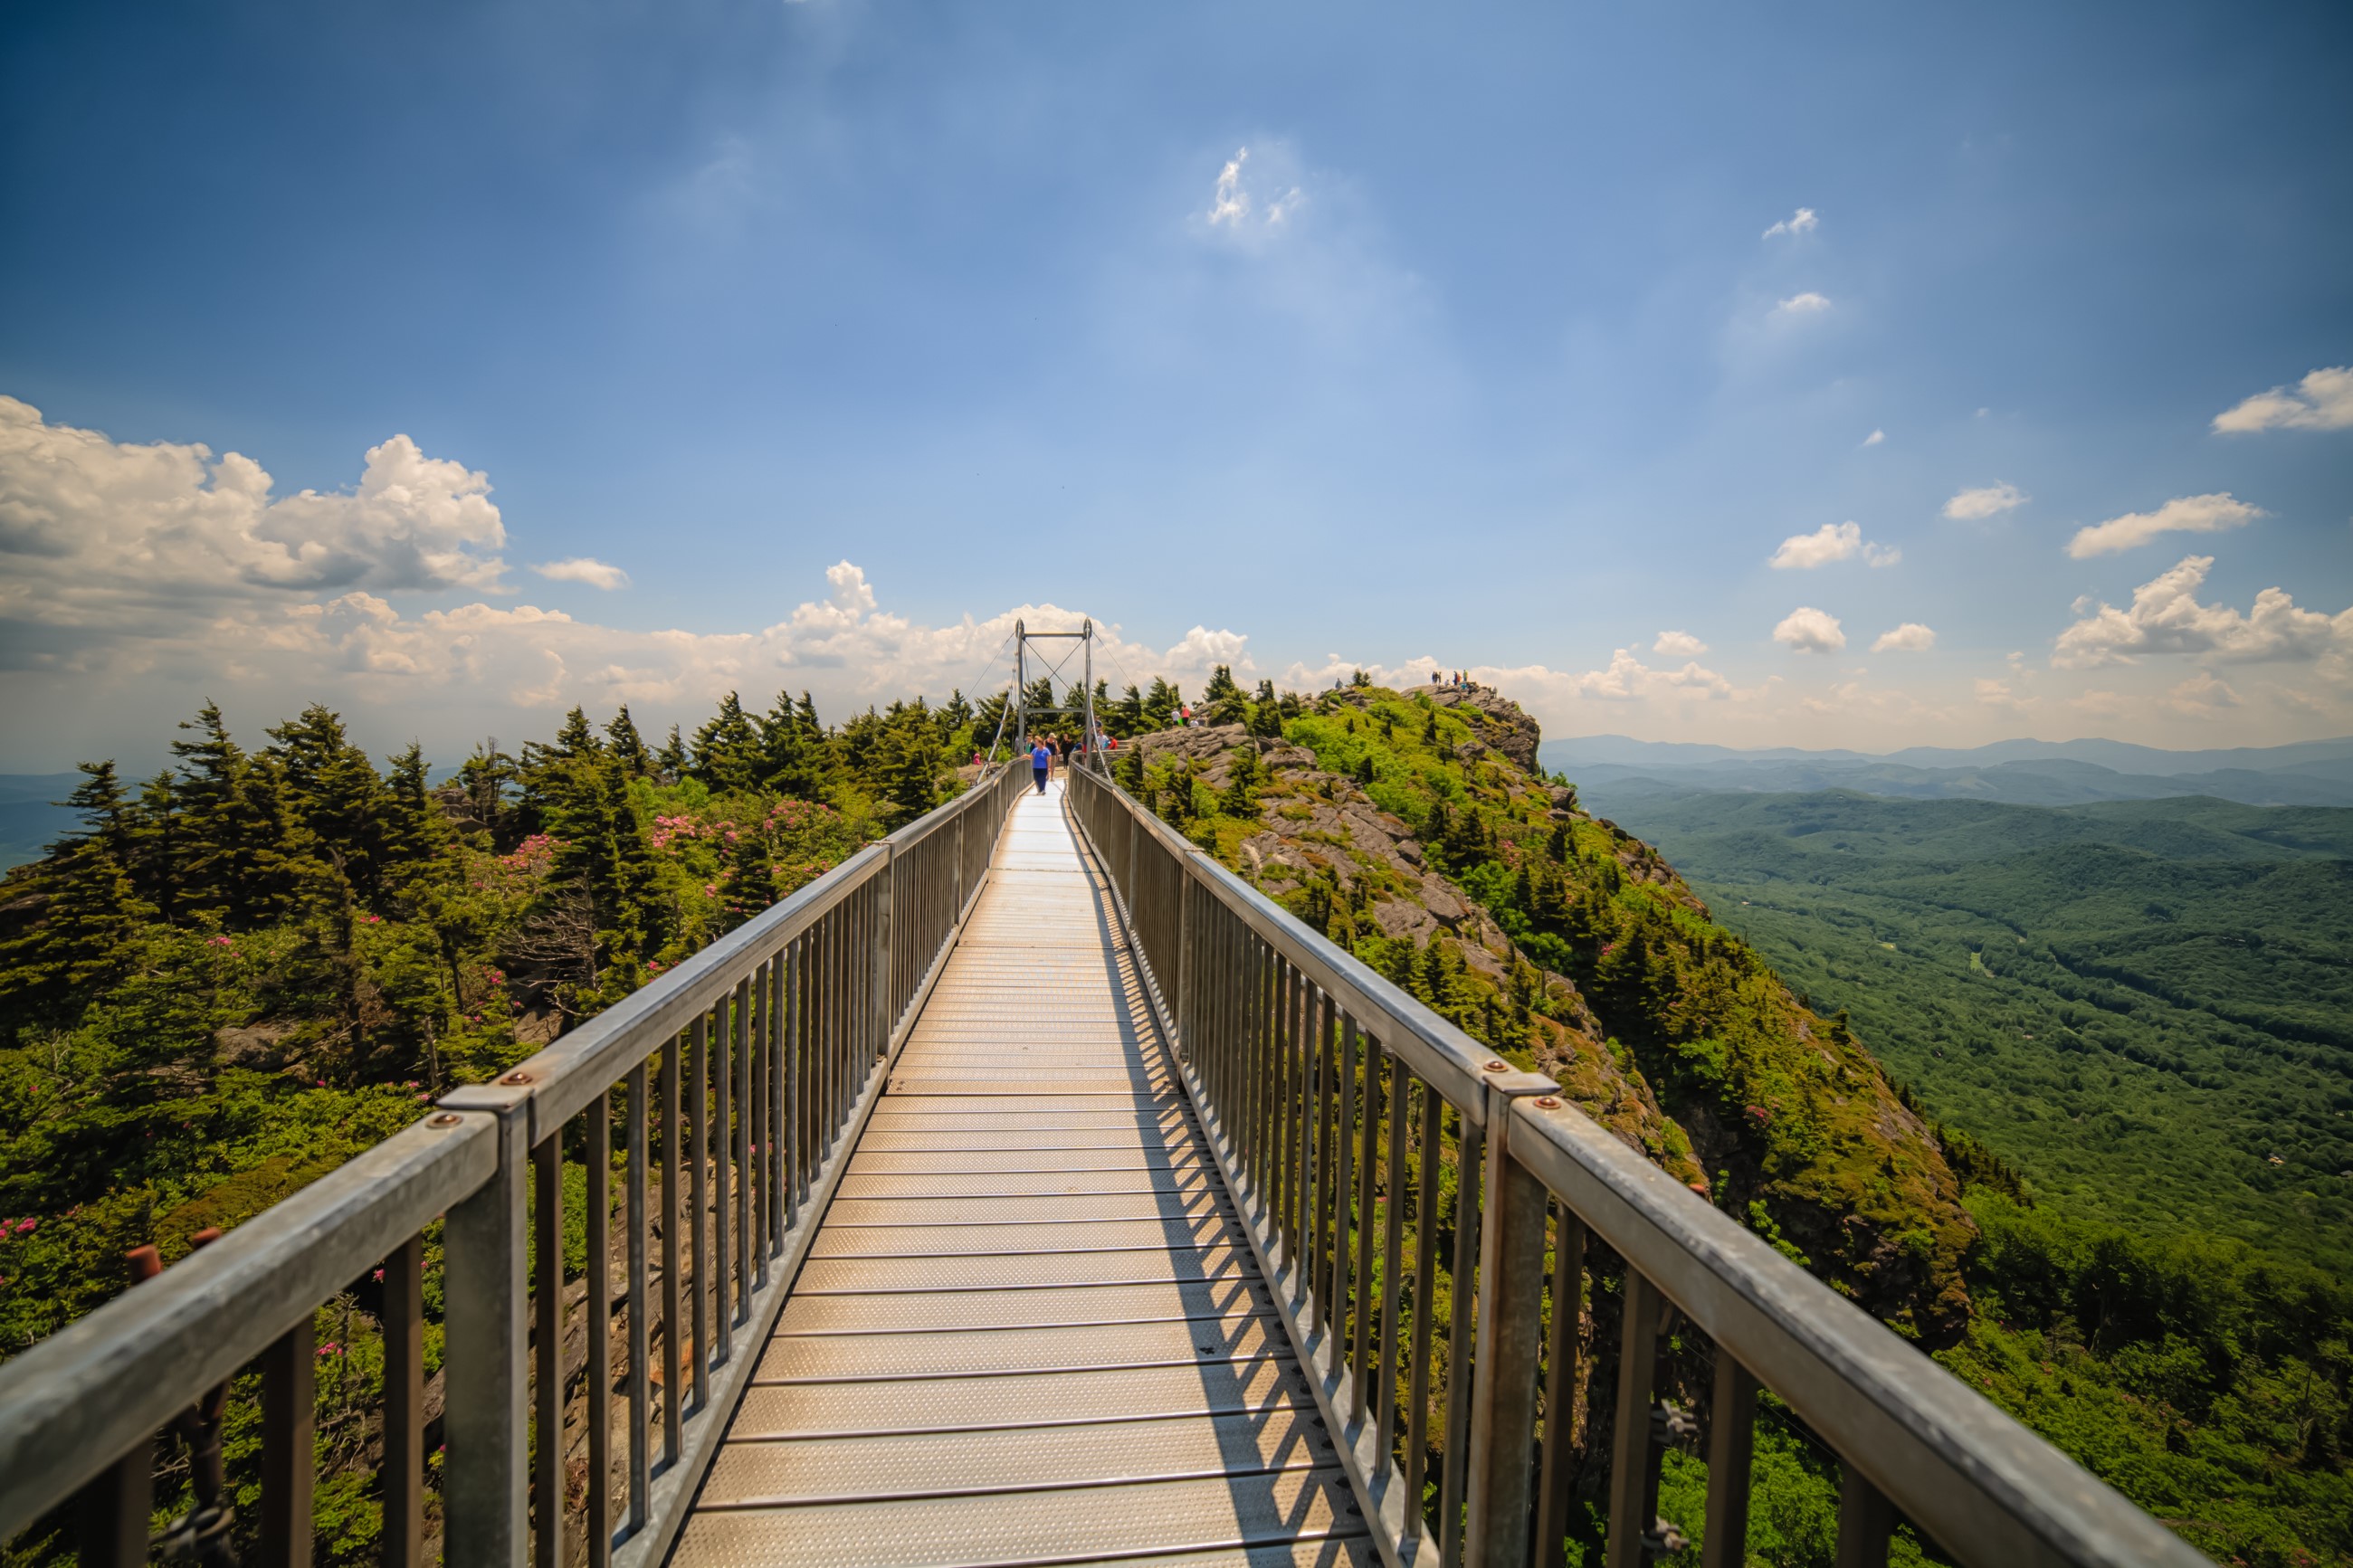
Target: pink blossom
(26,1227)
(379,1276)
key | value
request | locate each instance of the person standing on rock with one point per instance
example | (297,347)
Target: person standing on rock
(1041,762)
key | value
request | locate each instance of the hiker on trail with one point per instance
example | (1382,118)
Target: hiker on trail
(1041,762)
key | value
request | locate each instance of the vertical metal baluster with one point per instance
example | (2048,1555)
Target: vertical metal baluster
(796,1023)
(598,1227)
(1319,1149)
(111,1512)
(780,1198)
(1365,1070)
(1732,1421)
(290,1402)
(723,1187)
(698,1197)
(744,1107)
(756,1124)
(1630,1447)
(1340,1172)
(640,1334)
(1288,1043)
(1302,1163)
(1470,1164)
(1400,1108)
(1330,1184)
(1562,1380)
(674,1354)
(404,1406)
(1424,1283)
(547,1327)
(1866,1520)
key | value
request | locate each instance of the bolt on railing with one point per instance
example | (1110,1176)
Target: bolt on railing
(735,1087)
(1394,1175)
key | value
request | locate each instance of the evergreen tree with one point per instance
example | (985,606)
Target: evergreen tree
(485,780)
(90,914)
(1223,698)
(415,831)
(237,858)
(991,721)
(603,893)
(792,749)
(1364,769)
(908,763)
(672,758)
(727,750)
(1126,718)
(1160,705)
(750,876)
(955,713)
(1266,720)
(334,800)
(628,746)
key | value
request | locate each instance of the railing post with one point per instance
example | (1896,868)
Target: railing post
(1510,1341)
(485,1315)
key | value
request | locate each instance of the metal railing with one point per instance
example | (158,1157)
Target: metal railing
(1394,1175)
(735,1087)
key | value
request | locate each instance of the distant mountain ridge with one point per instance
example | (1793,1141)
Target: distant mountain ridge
(2017,773)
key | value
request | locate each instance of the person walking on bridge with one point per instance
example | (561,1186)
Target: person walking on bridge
(1041,762)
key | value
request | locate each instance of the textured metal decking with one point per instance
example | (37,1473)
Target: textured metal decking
(1029,1330)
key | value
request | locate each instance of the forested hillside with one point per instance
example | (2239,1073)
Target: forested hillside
(244,971)
(2147,1006)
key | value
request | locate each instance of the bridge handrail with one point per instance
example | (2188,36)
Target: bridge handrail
(799,1005)
(1289,1045)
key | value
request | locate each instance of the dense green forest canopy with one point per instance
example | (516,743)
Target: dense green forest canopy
(2147,1005)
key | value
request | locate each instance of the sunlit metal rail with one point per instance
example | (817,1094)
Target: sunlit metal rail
(1029,1189)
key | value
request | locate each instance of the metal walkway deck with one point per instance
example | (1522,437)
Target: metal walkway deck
(1029,1330)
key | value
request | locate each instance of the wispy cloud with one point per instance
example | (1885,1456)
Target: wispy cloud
(1909,637)
(2182,514)
(2167,617)
(1831,542)
(1875,439)
(1802,221)
(1232,205)
(1806,304)
(2203,696)
(1627,680)
(586,569)
(1985,501)
(2322,401)
(1809,630)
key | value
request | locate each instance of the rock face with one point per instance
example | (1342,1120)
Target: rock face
(1413,828)
(1314,827)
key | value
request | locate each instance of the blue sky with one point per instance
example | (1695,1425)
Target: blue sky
(1525,341)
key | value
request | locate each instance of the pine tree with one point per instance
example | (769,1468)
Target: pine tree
(791,749)
(672,758)
(955,713)
(727,750)
(908,763)
(414,829)
(603,884)
(1126,717)
(750,876)
(238,859)
(334,800)
(1364,769)
(90,914)
(1160,705)
(628,746)
(484,780)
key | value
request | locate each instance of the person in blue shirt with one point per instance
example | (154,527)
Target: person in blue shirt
(1042,761)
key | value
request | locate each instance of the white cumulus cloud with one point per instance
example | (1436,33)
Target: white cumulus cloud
(1806,304)
(585,569)
(1909,637)
(1831,542)
(2165,616)
(2322,401)
(2182,514)
(1807,630)
(1802,221)
(1678,645)
(112,536)
(1628,679)
(1985,501)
